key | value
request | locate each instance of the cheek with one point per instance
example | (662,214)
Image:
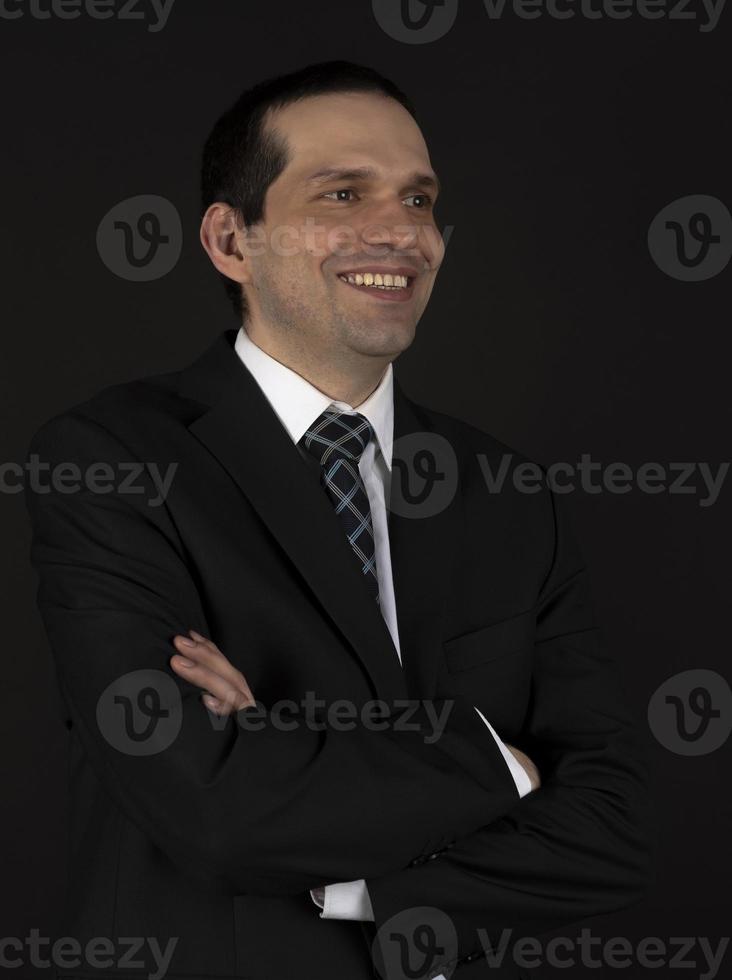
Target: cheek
(319,239)
(340,242)
(296,270)
(433,244)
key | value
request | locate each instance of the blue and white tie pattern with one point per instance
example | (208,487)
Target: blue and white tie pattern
(337,441)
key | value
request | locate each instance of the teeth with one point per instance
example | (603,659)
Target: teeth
(375,280)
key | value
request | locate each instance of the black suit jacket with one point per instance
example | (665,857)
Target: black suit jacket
(216,837)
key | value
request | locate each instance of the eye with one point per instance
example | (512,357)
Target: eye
(420,197)
(424,199)
(342,190)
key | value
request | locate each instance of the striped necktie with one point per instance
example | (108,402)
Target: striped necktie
(337,441)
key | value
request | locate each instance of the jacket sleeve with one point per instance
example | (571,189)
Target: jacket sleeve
(240,806)
(577,846)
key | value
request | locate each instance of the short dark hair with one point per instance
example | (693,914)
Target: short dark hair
(241,159)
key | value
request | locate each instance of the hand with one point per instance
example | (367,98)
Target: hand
(529,768)
(202,663)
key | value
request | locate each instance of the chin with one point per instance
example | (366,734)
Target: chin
(388,341)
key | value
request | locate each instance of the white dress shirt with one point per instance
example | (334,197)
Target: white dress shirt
(297,404)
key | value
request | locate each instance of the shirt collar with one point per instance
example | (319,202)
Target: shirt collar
(297,403)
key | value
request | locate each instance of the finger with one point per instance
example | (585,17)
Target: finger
(205,651)
(228,705)
(220,707)
(209,680)
(206,654)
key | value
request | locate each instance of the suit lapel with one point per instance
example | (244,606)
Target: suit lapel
(242,431)
(421,543)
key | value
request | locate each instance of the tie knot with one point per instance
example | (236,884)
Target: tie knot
(335,435)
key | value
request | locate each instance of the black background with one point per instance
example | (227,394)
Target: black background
(550,326)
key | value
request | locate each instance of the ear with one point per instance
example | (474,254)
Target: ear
(222,236)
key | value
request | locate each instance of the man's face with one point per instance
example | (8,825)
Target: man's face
(355,199)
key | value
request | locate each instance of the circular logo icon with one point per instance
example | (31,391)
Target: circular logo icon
(141,238)
(424,475)
(691,712)
(141,712)
(415,21)
(416,943)
(691,238)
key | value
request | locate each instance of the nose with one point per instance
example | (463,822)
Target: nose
(389,229)
(387,224)
(398,233)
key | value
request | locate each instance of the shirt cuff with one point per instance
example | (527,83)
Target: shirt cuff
(344,900)
(520,776)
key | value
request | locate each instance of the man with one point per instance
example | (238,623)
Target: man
(407,720)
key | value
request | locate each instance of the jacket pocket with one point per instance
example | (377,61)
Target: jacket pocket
(490,642)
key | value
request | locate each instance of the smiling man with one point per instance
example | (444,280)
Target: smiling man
(313,721)
(342,255)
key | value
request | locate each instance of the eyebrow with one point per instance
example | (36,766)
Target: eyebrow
(328,174)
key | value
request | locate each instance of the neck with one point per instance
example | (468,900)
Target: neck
(350,379)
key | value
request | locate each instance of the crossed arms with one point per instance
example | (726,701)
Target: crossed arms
(244,808)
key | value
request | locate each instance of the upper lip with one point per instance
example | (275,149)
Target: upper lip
(390,270)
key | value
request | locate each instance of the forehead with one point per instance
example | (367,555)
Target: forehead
(350,129)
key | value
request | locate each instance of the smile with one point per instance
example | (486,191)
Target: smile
(380,285)
(375,279)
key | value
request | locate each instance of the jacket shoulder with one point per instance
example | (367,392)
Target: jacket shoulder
(121,413)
